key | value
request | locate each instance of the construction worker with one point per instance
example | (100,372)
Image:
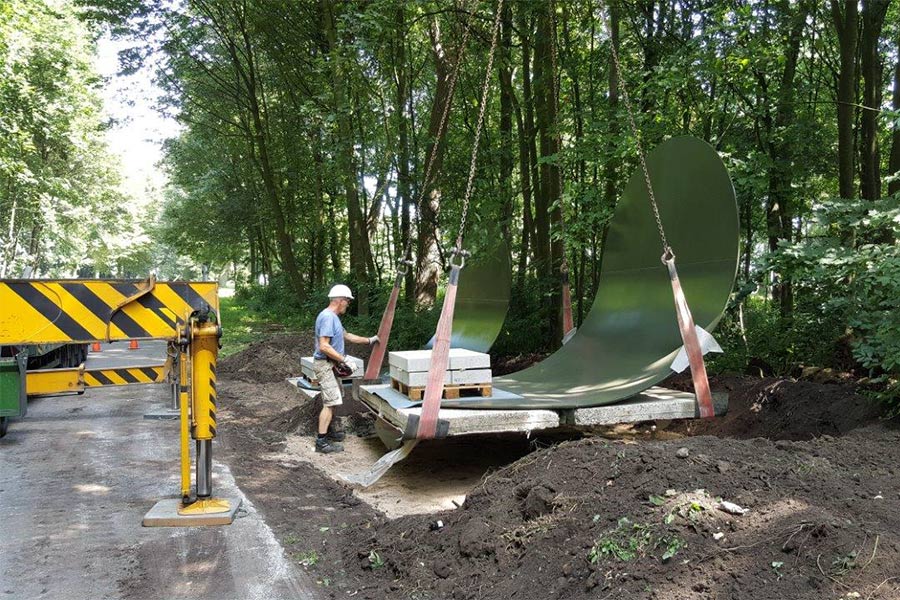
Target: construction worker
(329,355)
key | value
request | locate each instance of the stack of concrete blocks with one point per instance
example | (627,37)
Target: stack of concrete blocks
(465,369)
(306,367)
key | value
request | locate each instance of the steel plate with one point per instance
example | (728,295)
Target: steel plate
(482,300)
(630,337)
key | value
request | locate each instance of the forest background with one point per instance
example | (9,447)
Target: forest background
(306,127)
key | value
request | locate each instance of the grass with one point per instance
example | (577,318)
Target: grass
(241,326)
(630,540)
(308,558)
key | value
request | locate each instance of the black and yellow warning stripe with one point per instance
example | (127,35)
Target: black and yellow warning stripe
(212,399)
(57,311)
(125,376)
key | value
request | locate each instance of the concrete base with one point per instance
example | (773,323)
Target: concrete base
(461,421)
(163,413)
(652,404)
(165,514)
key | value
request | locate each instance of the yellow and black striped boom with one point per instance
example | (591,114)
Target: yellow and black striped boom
(38,311)
(126,375)
(74,380)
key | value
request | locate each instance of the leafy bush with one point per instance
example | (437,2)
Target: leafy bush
(771,344)
(847,271)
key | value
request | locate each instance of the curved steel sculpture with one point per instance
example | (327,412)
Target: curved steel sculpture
(630,337)
(482,300)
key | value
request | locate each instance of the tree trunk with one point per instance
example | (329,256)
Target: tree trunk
(506,151)
(894,165)
(401,98)
(780,178)
(525,184)
(428,257)
(549,209)
(873,13)
(609,169)
(846,23)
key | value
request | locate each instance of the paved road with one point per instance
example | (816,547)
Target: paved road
(117,354)
(76,477)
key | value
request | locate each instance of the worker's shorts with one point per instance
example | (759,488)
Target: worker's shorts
(332,395)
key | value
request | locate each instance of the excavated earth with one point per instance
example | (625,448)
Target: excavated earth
(633,512)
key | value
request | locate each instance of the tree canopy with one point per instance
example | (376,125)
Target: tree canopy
(309,127)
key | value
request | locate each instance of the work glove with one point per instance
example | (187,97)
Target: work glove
(343,370)
(374,340)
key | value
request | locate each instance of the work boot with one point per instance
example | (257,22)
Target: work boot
(335,436)
(336,431)
(326,446)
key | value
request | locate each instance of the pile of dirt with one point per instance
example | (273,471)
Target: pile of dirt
(785,409)
(273,359)
(596,518)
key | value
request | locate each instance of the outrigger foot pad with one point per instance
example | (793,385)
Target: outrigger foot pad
(172,512)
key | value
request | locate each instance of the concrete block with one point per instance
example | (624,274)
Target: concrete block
(413,361)
(470,376)
(415,379)
(165,514)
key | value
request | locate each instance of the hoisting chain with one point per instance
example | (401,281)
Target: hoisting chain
(437,140)
(485,88)
(667,250)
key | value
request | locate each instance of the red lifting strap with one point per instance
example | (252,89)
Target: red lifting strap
(440,356)
(568,321)
(691,341)
(376,358)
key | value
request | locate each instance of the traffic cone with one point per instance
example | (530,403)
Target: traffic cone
(95,347)
(133,345)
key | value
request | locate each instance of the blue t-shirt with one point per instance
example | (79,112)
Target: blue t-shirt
(329,325)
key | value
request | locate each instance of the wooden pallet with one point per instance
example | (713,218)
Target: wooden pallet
(310,381)
(451,392)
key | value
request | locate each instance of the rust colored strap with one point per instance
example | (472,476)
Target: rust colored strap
(691,341)
(440,357)
(376,358)
(568,321)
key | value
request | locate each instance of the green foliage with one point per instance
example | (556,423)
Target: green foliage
(60,204)
(307,558)
(849,268)
(255,307)
(772,344)
(527,326)
(629,541)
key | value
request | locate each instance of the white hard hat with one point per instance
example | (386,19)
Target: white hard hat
(340,291)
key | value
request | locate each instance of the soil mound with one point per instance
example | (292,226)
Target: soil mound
(783,409)
(273,359)
(595,518)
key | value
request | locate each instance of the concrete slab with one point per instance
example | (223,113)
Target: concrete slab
(165,514)
(416,378)
(420,360)
(657,403)
(462,421)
